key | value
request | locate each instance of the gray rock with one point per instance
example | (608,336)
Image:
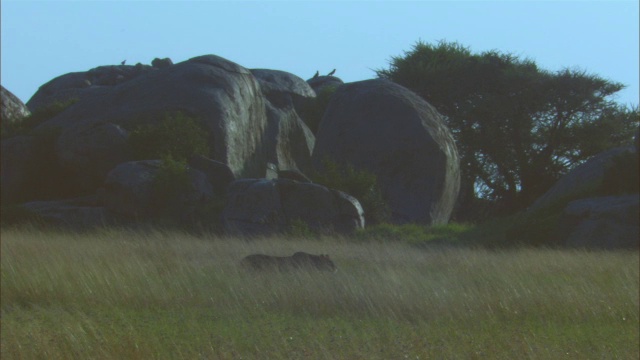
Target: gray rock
(128,191)
(321,82)
(289,140)
(73,213)
(221,94)
(585,178)
(260,207)
(161,63)
(16,169)
(388,130)
(84,85)
(12,109)
(275,82)
(610,222)
(217,173)
(274,173)
(293,175)
(91,150)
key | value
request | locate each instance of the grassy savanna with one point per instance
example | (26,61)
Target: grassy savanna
(167,295)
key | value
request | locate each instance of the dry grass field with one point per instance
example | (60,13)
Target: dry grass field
(117,294)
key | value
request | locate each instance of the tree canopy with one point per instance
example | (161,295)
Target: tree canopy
(518,127)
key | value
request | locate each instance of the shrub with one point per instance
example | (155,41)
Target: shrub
(171,190)
(298,228)
(177,135)
(171,180)
(361,184)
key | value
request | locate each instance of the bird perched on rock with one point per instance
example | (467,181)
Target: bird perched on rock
(332,72)
(123,61)
(316,75)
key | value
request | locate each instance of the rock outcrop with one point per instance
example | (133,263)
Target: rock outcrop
(289,140)
(129,191)
(609,222)
(584,179)
(16,170)
(321,82)
(224,96)
(78,213)
(388,130)
(12,109)
(262,207)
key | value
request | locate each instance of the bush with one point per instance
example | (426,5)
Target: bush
(170,182)
(178,136)
(36,118)
(361,184)
(171,190)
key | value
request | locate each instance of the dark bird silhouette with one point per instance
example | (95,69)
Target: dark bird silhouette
(316,75)
(123,61)
(332,72)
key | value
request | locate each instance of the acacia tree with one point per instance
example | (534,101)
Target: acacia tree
(518,127)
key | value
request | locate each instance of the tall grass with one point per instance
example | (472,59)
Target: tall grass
(118,294)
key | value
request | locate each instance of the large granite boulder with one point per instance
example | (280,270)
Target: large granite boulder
(321,82)
(261,207)
(289,140)
(90,150)
(584,179)
(16,169)
(78,85)
(610,222)
(224,96)
(73,213)
(388,130)
(218,174)
(129,191)
(12,109)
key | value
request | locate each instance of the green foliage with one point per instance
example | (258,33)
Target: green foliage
(313,111)
(171,181)
(171,190)
(177,135)
(539,228)
(23,126)
(299,229)
(361,184)
(518,127)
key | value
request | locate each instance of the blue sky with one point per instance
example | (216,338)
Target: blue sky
(44,39)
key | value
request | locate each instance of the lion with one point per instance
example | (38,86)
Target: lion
(298,261)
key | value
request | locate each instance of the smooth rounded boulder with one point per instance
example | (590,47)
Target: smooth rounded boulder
(386,129)
(289,140)
(263,207)
(224,97)
(12,109)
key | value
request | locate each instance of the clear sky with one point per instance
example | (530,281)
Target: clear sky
(45,39)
